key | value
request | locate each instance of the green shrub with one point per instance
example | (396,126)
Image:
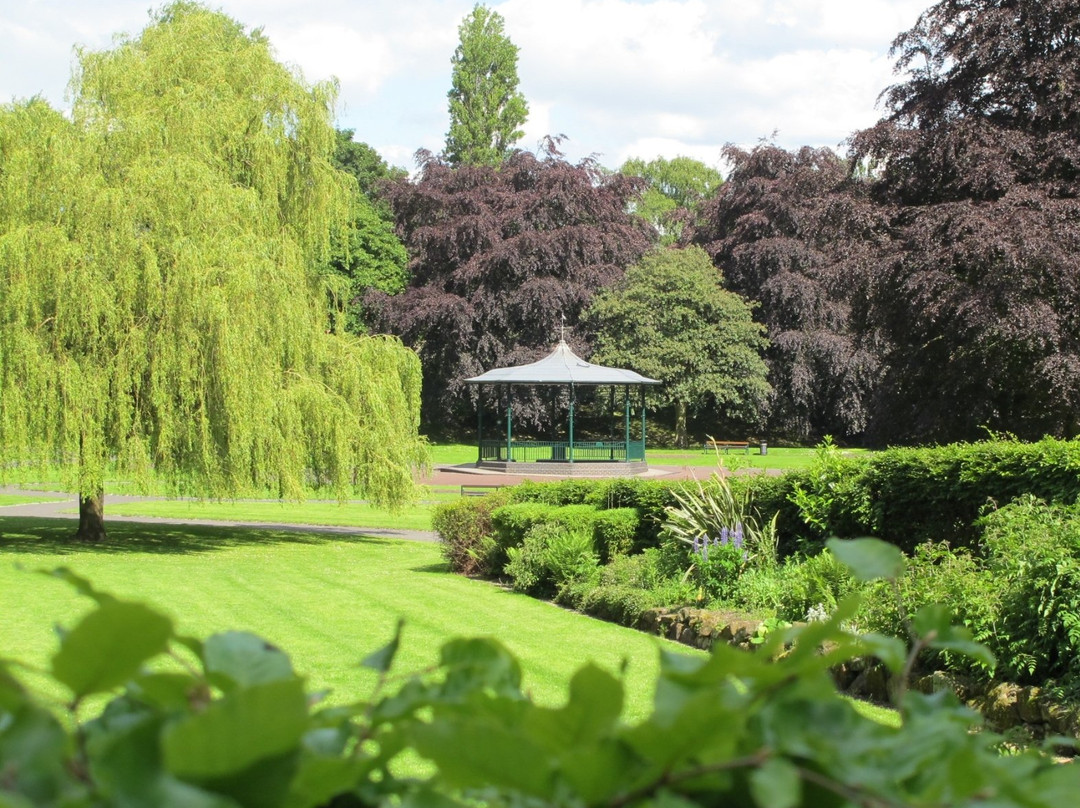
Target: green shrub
(818,582)
(630,585)
(710,512)
(562,492)
(715,567)
(937,573)
(1033,563)
(648,497)
(466,533)
(908,496)
(823,493)
(773,495)
(551,558)
(511,522)
(625,605)
(615,531)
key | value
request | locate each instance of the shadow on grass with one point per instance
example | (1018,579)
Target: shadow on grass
(21,534)
(441,568)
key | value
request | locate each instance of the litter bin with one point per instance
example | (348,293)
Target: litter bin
(764,448)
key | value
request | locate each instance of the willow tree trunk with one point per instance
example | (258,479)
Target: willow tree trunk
(91,517)
(680,424)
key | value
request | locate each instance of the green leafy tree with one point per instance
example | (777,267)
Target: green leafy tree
(371,256)
(486,108)
(670,318)
(367,165)
(161,303)
(676,191)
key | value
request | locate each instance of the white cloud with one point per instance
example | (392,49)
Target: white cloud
(667,77)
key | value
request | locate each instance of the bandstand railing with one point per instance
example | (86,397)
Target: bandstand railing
(539,451)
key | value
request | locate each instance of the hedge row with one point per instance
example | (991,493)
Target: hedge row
(904,496)
(909,496)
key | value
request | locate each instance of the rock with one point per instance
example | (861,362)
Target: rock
(1027,706)
(999,706)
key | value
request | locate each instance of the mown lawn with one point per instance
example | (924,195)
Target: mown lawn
(782,458)
(350,514)
(25,499)
(327,601)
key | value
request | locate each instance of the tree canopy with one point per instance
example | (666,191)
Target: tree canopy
(792,231)
(371,256)
(498,258)
(979,157)
(677,191)
(486,108)
(161,297)
(671,319)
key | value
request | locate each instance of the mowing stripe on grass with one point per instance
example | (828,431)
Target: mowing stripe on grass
(327,601)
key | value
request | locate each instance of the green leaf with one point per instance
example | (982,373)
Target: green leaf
(868,559)
(934,623)
(383,659)
(33,753)
(243,659)
(594,706)
(126,767)
(80,584)
(474,754)
(245,726)
(476,664)
(264,783)
(109,645)
(890,650)
(776,784)
(169,691)
(320,779)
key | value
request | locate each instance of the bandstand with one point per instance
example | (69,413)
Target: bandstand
(572,456)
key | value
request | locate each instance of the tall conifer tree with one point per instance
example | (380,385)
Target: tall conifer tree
(486,108)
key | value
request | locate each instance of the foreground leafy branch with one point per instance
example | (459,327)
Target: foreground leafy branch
(226,722)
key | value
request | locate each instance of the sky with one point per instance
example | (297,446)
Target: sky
(618,78)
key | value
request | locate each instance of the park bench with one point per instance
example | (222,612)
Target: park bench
(478,490)
(725,445)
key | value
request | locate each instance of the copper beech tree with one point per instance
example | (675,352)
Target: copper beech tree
(978,163)
(162,291)
(499,259)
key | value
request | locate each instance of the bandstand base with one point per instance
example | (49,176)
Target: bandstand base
(556,468)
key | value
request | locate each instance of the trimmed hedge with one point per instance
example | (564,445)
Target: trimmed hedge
(907,496)
(615,532)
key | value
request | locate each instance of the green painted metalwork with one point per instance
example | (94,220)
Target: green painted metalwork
(534,451)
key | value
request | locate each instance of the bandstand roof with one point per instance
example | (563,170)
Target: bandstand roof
(561,366)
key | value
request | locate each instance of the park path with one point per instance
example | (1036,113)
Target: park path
(65,506)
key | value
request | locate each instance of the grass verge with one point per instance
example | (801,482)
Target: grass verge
(353,514)
(25,499)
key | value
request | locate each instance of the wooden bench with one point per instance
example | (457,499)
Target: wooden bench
(725,445)
(478,490)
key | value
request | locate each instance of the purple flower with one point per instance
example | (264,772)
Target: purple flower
(723,535)
(737,536)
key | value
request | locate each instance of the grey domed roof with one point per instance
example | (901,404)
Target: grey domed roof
(561,366)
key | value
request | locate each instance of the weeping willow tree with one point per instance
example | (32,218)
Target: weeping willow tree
(163,285)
